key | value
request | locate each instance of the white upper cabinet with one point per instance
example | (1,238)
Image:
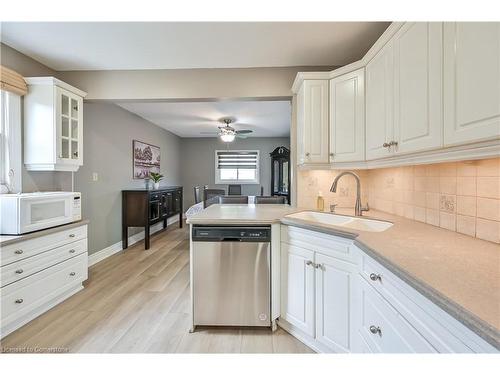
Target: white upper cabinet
(417,87)
(53,125)
(347,117)
(312,122)
(403,93)
(471,82)
(379,103)
(427,86)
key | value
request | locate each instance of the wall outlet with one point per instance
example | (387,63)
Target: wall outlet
(95,176)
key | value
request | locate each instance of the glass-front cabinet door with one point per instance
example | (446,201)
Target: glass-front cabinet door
(69,119)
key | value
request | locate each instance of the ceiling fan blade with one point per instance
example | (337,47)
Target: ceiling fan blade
(210,133)
(245,131)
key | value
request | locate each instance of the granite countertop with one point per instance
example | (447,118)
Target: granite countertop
(459,273)
(236,214)
(10,239)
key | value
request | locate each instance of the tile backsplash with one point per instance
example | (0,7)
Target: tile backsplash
(459,196)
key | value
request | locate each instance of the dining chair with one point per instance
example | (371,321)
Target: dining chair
(233,199)
(210,196)
(269,200)
(197,194)
(234,190)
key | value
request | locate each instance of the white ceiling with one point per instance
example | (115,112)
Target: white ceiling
(176,45)
(189,119)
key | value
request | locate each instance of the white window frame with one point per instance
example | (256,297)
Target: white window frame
(10,143)
(219,181)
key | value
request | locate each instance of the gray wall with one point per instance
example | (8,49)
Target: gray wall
(107,138)
(198,162)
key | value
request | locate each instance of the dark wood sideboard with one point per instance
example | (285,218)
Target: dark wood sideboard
(143,208)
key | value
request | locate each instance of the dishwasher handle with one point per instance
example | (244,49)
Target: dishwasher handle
(231,234)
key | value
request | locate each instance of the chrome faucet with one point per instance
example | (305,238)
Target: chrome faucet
(358,210)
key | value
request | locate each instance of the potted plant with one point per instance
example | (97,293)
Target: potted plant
(156,177)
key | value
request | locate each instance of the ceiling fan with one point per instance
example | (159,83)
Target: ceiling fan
(227,133)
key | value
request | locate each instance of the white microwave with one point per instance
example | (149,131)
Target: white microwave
(28,212)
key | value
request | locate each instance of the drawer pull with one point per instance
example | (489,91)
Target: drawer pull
(72,235)
(72,273)
(309,263)
(19,271)
(19,251)
(375,330)
(20,300)
(72,251)
(375,277)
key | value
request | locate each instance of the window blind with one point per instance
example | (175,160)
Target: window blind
(237,159)
(12,81)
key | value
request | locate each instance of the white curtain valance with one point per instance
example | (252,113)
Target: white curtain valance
(12,81)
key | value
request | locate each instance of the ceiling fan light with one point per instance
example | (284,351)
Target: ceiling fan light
(227,137)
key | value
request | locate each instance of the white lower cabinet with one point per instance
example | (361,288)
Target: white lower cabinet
(383,328)
(41,272)
(317,291)
(335,281)
(335,298)
(298,287)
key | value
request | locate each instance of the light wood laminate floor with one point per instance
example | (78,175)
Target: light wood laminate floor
(138,301)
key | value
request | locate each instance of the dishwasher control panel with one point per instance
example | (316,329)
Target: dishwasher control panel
(232,233)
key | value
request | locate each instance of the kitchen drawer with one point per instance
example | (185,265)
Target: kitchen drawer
(444,332)
(383,328)
(24,249)
(26,267)
(323,243)
(31,292)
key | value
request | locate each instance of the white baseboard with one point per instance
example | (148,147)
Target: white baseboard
(117,247)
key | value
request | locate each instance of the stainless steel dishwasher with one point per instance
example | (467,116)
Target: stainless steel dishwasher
(231,275)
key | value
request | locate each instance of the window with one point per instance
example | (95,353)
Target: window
(237,166)
(10,142)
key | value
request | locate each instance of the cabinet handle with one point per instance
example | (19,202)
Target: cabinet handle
(72,251)
(375,330)
(20,300)
(72,273)
(385,145)
(309,263)
(319,266)
(75,153)
(393,143)
(72,235)
(19,251)
(332,154)
(307,154)
(19,271)
(375,277)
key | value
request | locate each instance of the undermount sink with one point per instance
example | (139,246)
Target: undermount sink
(351,222)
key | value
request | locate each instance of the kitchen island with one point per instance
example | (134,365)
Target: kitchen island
(456,274)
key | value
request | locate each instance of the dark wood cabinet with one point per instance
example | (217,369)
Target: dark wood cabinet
(280,172)
(143,208)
